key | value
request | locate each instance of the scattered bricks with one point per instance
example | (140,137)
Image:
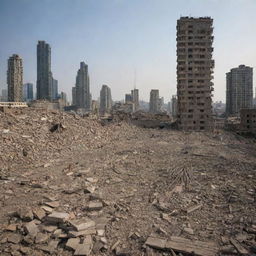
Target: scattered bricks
(14,238)
(39,213)
(57,217)
(82,224)
(72,243)
(95,206)
(31,229)
(193,208)
(53,204)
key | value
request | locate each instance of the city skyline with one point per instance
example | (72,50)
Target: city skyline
(144,40)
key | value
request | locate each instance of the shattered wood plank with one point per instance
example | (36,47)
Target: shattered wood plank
(194,208)
(183,245)
(239,247)
(187,246)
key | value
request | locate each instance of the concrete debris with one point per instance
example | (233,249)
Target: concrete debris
(57,217)
(90,189)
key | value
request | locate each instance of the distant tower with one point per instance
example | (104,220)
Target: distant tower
(28,94)
(174,106)
(15,78)
(135,98)
(82,89)
(105,100)
(44,74)
(194,73)
(55,93)
(239,92)
(154,106)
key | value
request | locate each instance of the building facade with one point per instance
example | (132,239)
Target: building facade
(81,94)
(105,100)
(44,74)
(4,95)
(194,73)
(154,106)
(15,78)
(28,94)
(248,120)
(174,106)
(239,90)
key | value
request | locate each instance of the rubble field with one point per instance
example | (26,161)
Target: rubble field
(73,186)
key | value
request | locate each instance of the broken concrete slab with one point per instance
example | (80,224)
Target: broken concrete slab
(31,228)
(83,250)
(53,204)
(57,217)
(90,231)
(48,228)
(95,206)
(82,224)
(41,238)
(39,213)
(72,243)
(14,238)
(47,209)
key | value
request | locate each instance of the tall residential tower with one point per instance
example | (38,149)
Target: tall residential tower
(105,100)
(239,93)
(15,78)
(81,92)
(194,73)
(44,74)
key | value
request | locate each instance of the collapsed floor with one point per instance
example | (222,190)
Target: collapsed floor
(70,186)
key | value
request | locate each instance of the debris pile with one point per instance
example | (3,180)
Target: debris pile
(88,189)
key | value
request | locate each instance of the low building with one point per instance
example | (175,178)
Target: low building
(248,120)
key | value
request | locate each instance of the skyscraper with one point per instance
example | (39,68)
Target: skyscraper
(154,102)
(105,100)
(82,88)
(55,93)
(239,93)
(28,94)
(44,74)
(15,78)
(194,73)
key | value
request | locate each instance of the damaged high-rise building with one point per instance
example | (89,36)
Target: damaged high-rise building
(81,92)
(239,90)
(44,74)
(15,78)
(105,100)
(194,73)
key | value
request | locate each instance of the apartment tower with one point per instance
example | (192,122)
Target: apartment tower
(44,74)
(15,78)
(239,92)
(194,73)
(154,106)
(105,100)
(81,93)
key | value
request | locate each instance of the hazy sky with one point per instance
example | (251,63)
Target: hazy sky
(115,37)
